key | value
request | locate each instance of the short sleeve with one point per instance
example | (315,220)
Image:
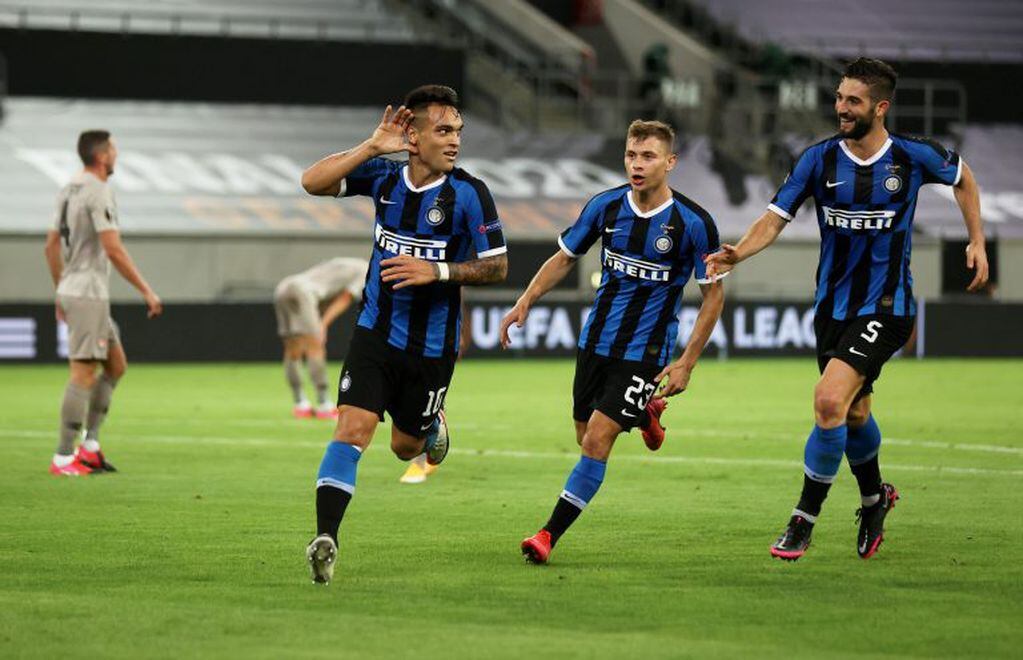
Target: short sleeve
(939,164)
(580,237)
(704,240)
(482,222)
(797,187)
(103,211)
(364,178)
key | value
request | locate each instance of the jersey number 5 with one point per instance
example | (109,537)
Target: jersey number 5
(871,334)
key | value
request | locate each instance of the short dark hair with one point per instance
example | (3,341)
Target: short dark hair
(643,129)
(879,76)
(89,142)
(422,96)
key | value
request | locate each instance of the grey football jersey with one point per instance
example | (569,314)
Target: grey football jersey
(85,207)
(326,280)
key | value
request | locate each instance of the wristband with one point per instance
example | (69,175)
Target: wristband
(443,271)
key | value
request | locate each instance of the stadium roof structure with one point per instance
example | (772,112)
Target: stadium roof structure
(214,169)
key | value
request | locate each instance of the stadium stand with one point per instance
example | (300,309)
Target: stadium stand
(932,30)
(302,19)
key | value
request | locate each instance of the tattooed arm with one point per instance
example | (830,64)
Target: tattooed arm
(406,271)
(488,270)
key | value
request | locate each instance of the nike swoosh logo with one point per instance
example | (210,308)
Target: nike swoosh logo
(829,184)
(386,201)
(608,230)
(627,413)
(855,352)
(423,428)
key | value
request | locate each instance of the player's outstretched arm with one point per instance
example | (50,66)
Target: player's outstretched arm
(761,233)
(967,194)
(124,264)
(551,272)
(325,175)
(678,372)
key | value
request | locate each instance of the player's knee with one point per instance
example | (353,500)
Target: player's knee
(405,448)
(596,444)
(354,429)
(857,416)
(828,406)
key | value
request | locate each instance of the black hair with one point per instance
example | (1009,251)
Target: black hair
(420,97)
(879,76)
(89,142)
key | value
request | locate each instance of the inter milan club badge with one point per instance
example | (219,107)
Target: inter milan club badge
(346,382)
(434,215)
(663,243)
(892,184)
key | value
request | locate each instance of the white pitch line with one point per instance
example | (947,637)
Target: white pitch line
(500,453)
(709,433)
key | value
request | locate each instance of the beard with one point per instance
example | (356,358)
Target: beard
(861,126)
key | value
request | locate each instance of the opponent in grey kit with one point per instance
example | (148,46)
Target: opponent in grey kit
(80,247)
(335,283)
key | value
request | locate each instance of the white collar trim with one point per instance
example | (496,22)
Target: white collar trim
(870,161)
(651,213)
(408,182)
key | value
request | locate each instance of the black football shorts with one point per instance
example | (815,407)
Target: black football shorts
(865,343)
(618,388)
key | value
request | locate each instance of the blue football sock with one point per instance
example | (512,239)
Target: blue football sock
(823,454)
(582,485)
(863,442)
(335,485)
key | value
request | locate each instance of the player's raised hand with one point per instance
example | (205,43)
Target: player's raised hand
(154,305)
(390,136)
(405,271)
(722,261)
(976,259)
(517,315)
(674,378)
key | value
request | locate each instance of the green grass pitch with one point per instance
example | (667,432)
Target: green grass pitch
(196,547)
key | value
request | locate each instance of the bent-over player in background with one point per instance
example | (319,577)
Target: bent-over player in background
(336,283)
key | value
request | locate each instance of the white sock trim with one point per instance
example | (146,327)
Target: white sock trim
(91,445)
(870,500)
(803,514)
(334,483)
(573,499)
(822,478)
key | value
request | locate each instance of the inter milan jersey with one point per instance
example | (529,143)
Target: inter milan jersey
(865,212)
(647,259)
(447,220)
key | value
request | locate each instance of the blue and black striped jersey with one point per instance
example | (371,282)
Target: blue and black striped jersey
(865,213)
(647,259)
(453,219)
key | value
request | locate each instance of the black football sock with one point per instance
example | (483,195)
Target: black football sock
(812,498)
(562,517)
(330,509)
(868,476)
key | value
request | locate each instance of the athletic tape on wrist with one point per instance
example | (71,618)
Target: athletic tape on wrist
(443,271)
